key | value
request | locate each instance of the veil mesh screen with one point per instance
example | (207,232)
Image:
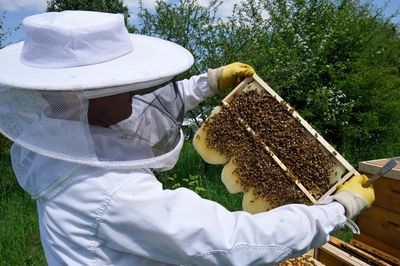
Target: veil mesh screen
(55,124)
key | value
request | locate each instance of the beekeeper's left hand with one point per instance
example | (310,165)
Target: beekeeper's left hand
(229,76)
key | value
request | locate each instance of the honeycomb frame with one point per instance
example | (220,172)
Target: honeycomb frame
(345,169)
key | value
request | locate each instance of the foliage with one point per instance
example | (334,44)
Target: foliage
(336,62)
(110,6)
(195,27)
(186,23)
(5,32)
(5,144)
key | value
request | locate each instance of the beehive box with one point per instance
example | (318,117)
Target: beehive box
(380,224)
(268,150)
(379,241)
(337,255)
(355,253)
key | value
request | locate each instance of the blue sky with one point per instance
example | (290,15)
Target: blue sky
(19,9)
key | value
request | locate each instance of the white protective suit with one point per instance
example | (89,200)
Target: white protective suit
(95,216)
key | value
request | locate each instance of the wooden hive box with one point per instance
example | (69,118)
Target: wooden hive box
(342,170)
(380,224)
(379,241)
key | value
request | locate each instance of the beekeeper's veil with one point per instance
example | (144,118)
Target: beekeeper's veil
(70,58)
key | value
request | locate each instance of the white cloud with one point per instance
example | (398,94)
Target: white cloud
(226,8)
(132,4)
(223,11)
(16,5)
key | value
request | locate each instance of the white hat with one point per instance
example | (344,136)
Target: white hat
(70,57)
(81,50)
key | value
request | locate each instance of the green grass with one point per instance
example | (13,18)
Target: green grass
(344,234)
(19,230)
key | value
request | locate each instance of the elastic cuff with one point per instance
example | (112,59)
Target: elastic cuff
(213,78)
(352,202)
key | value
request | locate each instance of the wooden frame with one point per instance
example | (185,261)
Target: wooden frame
(375,252)
(334,256)
(340,253)
(256,83)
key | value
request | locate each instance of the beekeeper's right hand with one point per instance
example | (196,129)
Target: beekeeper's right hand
(353,196)
(229,76)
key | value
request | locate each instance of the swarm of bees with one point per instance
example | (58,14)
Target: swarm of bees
(236,135)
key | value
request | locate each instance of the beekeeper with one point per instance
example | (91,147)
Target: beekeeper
(92,112)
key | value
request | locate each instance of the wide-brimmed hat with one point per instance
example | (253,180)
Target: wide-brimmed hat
(84,50)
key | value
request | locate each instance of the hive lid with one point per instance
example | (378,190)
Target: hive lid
(373,167)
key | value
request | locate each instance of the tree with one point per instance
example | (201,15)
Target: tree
(5,32)
(335,61)
(110,6)
(186,23)
(192,26)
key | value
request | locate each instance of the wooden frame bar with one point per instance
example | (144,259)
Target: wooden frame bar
(341,256)
(376,252)
(365,256)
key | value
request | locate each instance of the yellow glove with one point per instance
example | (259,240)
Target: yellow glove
(353,196)
(229,76)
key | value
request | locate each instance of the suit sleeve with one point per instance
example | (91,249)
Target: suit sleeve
(195,90)
(179,227)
